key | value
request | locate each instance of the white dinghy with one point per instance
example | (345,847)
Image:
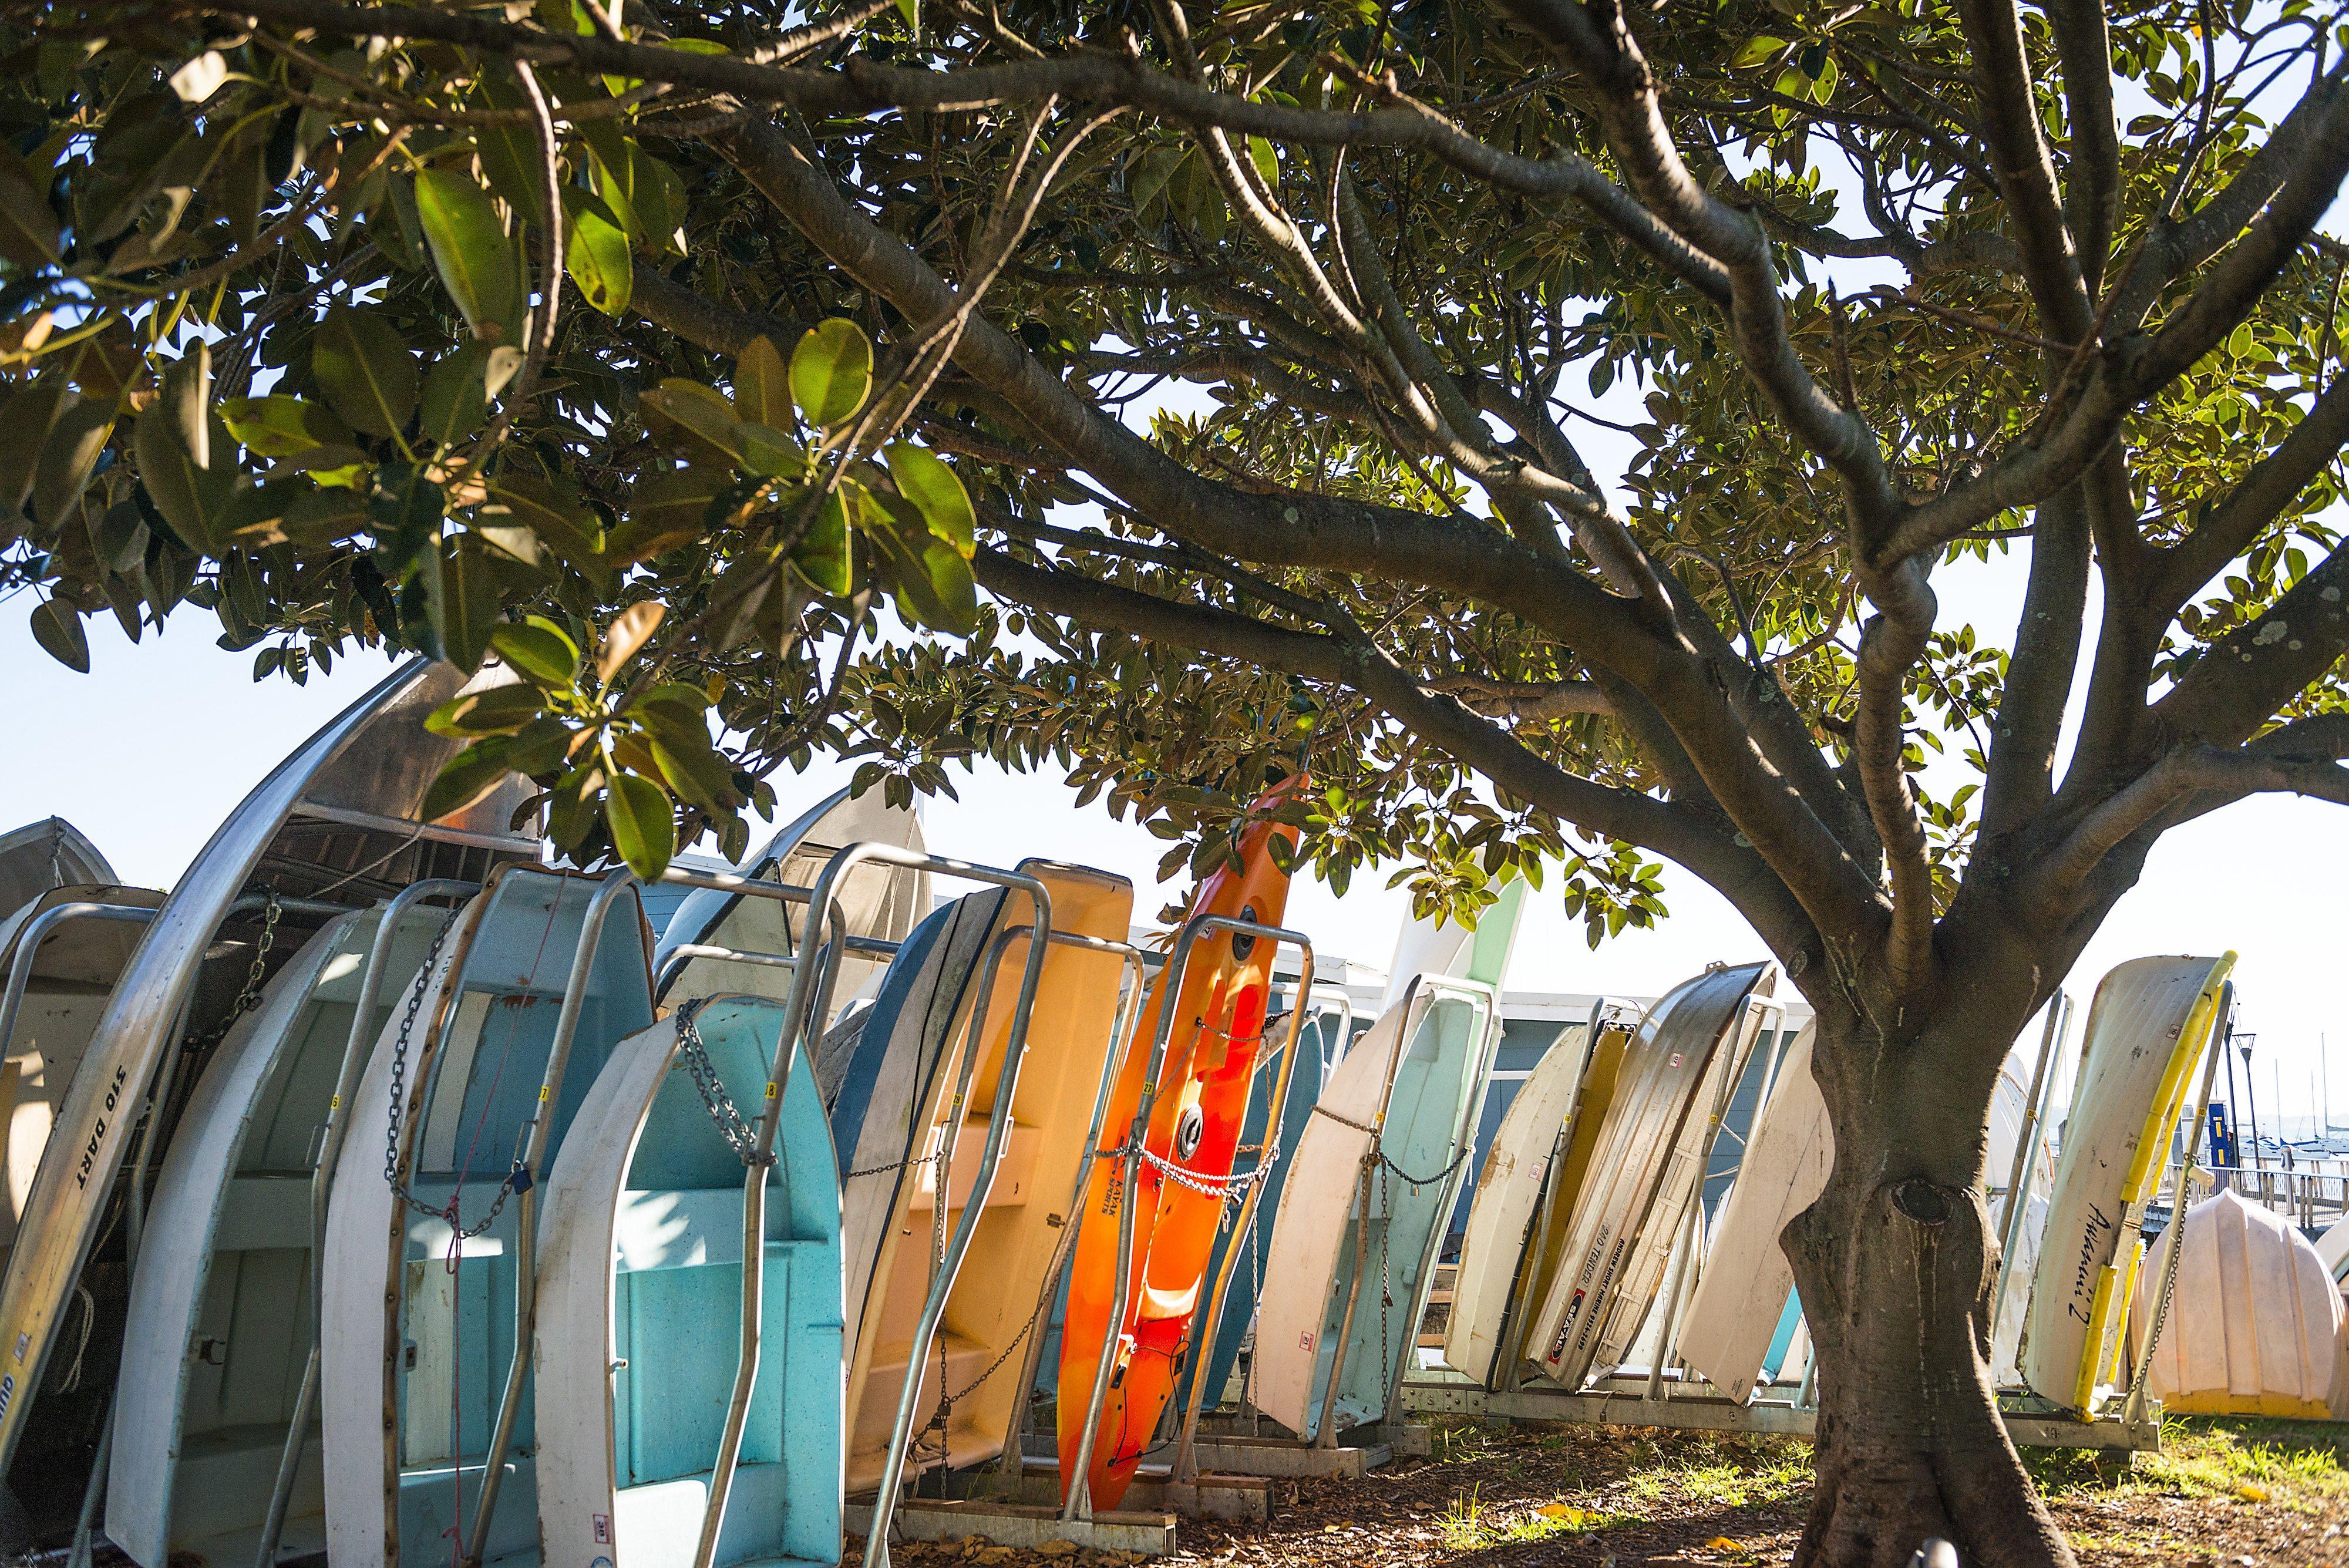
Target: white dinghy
(1508,1196)
(216,1347)
(2148,1026)
(1742,1298)
(640,1302)
(334,827)
(2252,1323)
(479,1074)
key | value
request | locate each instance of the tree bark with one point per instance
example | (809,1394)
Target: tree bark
(1896,1263)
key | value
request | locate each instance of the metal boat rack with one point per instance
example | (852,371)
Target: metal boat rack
(995,1501)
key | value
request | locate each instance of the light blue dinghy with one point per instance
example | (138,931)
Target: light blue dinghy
(640,1304)
(480,1070)
(1379,1227)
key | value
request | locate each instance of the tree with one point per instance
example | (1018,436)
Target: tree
(862,309)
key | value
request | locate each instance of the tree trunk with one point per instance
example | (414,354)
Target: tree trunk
(1896,1263)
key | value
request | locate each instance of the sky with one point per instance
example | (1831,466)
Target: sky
(151,749)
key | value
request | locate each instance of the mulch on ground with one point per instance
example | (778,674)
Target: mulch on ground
(2221,1494)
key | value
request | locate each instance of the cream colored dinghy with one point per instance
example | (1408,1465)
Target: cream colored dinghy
(2252,1320)
(1643,1171)
(876,901)
(217,1343)
(640,1285)
(337,821)
(44,856)
(1508,1198)
(890,1224)
(467,1097)
(2148,1026)
(1740,1299)
(68,979)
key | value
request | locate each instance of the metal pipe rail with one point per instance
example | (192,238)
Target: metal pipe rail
(1077,1486)
(2174,1234)
(2025,1169)
(823,905)
(37,931)
(322,1177)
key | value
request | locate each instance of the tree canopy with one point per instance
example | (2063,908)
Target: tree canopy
(1189,396)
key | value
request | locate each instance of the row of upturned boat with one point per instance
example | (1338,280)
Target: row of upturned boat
(388,1192)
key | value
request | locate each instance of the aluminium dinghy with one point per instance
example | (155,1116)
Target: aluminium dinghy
(335,825)
(1648,1151)
(217,1343)
(44,856)
(466,1097)
(640,1293)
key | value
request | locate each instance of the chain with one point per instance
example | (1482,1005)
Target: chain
(1235,1184)
(400,1045)
(1386,1271)
(912,1163)
(1466,1149)
(693,1054)
(248,997)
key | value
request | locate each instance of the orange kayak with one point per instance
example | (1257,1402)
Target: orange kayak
(1195,1126)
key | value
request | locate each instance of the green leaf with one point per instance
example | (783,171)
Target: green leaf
(645,195)
(172,441)
(499,710)
(832,370)
(552,510)
(769,453)
(1266,161)
(570,806)
(468,777)
(57,629)
(697,418)
(540,746)
(540,650)
(68,458)
(826,552)
(510,158)
(924,479)
(670,507)
(934,582)
(627,636)
(461,600)
(471,251)
(643,830)
(366,370)
(762,392)
(28,228)
(1758,49)
(281,426)
(456,398)
(596,255)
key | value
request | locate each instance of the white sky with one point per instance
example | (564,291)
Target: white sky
(148,752)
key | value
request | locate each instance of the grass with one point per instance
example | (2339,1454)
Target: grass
(1743,1474)
(2300,1465)
(1468,1526)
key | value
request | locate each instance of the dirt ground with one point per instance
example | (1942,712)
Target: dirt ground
(2222,1494)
